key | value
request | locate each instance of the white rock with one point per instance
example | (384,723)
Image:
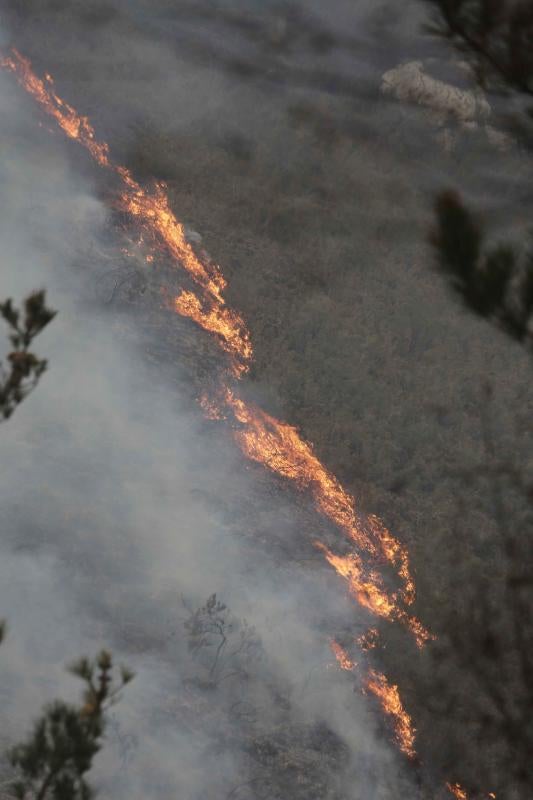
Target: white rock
(409,83)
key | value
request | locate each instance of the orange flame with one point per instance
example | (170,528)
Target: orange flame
(153,214)
(389,698)
(460,794)
(457,791)
(218,320)
(280,447)
(391,703)
(274,444)
(261,437)
(369,640)
(74,125)
(343,659)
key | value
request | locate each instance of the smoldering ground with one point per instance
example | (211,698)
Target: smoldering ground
(117,499)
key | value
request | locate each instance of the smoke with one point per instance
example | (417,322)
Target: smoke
(117,501)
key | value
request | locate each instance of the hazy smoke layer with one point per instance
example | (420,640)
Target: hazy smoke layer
(111,502)
(117,499)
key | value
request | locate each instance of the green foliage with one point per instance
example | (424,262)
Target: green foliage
(497,283)
(52,763)
(25,368)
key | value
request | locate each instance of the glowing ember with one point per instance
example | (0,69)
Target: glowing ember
(369,640)
(390,701)
(343,659)
(457,791)
(460,794)
(210,410)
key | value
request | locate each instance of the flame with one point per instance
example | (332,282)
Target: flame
(218,320)
(391,704)
(74,125)
(152,212)
(210,409)
(369,640)
(389,698)
(279,447)
(457,791)
(262,438)
(343,659)
(460,794)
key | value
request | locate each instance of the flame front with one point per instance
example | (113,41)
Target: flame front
(369,640)
(457,791)
(262,438)
(460,794)
(343,659)
(389,699)
(153,215)
(219,320)
(280,447)
(391,704)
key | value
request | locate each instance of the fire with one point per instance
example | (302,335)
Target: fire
(279,447)
(457,791)
(151,210)
(218,320)
(343,659)
(367,589)
(389,699)
(262,438)
(460,794)
(74,125)
(210,409)
(369,640)
(391,704)
(276,445)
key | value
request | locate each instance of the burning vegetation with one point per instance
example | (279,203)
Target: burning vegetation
(276,445)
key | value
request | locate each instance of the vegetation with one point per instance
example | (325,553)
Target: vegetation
(24,368)
(495,283)
(53,762)
(488,641)
(279,754)
(229,645)
(496,34)
(327,264)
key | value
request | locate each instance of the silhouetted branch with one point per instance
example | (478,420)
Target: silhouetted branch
(499,33)
(25,369)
